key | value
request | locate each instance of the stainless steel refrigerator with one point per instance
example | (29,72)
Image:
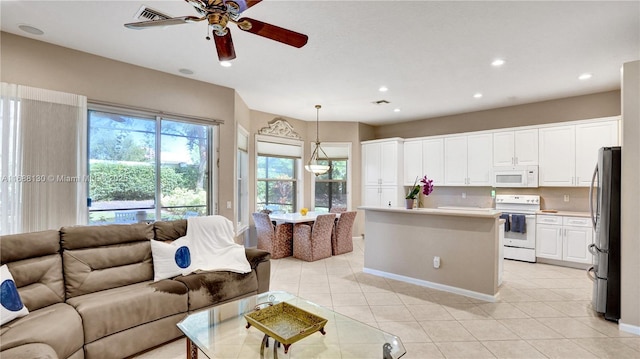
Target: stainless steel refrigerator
(605,214)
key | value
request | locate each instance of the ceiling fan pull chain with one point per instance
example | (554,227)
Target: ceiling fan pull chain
(208,37)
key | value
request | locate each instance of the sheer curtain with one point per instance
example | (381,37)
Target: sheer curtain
(42,159)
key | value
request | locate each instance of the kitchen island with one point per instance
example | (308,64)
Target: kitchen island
(403,244)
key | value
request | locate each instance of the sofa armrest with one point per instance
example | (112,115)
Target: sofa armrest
(261,263)
(256,256)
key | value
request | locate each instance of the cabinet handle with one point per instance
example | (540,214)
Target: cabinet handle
(513,160)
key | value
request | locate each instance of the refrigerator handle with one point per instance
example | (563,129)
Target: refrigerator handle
(589,271)
(593,181)
(593,249)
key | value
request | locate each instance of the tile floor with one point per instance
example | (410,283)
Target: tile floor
(543,312)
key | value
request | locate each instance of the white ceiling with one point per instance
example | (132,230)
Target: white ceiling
(433,56)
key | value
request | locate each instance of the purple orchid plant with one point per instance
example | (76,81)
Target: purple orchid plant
(427,185)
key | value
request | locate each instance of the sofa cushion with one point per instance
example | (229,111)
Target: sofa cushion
(170,230)
(212,288)
(97,258)
(36,265)
(30,351)
(110,311)
(57,325)
(11,306)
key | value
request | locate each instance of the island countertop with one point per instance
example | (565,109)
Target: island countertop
(450,211)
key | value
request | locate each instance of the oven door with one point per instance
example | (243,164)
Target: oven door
(522,240)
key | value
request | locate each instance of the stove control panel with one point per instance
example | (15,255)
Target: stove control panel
(517,199)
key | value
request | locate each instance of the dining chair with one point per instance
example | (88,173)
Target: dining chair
(337,209)
(311,243)
(276,239)
(342,240)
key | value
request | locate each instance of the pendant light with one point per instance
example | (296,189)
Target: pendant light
(312,165)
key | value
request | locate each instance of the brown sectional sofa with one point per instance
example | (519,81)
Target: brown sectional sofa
(90,291)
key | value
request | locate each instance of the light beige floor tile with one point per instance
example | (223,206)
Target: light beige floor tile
(571,328)
(605,327)
(441,297)
(408,332)
(607,347)
(422,351)
(360,312)
(542,294)
(348,299)
(574,308)
(463,311)
(382,298)
(424,312)
(574,293)
(561,349)
(530,329)
(323,299)
(633,342)
(502,310)
(512,349)
(391,313)
(489,329)
(446,331)
(538,310)
(418,297)
(512,295)
(464,350)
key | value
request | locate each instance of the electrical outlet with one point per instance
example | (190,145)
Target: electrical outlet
(228,204)
(464,195)
(436,262)
(566,198)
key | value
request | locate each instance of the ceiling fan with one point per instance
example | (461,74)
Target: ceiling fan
(218,14)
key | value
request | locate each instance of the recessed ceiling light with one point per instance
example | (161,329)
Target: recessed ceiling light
(585,76)
(186,71)
(477,95)
(225,63)
(30,29)
(396,110)
(497,62)
(383,89)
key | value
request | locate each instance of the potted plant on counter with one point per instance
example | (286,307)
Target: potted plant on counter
(414,191)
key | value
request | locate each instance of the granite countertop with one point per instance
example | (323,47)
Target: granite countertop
(451,211)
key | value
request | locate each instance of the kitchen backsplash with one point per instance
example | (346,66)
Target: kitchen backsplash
(551,197)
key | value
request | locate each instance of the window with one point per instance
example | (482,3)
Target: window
(331,190)
(145,167)
(242,200)
(277,170)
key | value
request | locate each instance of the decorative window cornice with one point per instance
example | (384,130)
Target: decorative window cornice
(281,128)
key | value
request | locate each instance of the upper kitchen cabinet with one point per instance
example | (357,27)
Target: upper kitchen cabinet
(382,169)
(568,154)
(382,161)
(424,157)
(468,160)
(515,148)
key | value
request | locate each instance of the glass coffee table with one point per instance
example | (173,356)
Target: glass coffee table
(222,332)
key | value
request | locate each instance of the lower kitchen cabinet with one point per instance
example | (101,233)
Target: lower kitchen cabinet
(564,238)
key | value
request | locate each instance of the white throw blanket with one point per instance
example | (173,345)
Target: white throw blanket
(213,247)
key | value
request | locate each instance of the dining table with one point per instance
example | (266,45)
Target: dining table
(296,217)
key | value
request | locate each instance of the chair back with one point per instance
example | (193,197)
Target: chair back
(264,231)
(323,226)
(337,209)
(341,241)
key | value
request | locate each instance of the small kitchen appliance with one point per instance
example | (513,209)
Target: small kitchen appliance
(606,223)
(520,234)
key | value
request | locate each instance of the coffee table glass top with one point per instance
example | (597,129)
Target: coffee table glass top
(220,332)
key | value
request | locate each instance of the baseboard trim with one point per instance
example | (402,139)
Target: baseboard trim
(633,329)
(438,286)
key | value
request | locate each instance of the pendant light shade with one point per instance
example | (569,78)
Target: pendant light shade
(312,165)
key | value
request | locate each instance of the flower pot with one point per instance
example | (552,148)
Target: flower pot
(409,203)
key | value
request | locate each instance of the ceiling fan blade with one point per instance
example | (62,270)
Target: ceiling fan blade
(163,22)
(224,46)
(250,3)
(272,32)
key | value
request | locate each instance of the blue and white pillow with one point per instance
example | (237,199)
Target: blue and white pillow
(171,259)
(11,305)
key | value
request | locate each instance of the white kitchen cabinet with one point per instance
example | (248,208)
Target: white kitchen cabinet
(382,162)
(424,157)
(468,160)
(564,238)
(568,154)
(515,148)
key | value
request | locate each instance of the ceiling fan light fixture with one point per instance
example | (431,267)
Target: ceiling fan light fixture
(225,63)
(313,165)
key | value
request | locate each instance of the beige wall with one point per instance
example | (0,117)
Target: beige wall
(630,207)
(602,104)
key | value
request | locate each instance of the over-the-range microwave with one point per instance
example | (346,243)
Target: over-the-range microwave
(517,176)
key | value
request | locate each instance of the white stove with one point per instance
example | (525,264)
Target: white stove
(519,211)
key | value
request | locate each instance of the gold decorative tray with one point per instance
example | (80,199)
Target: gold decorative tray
(285,323)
